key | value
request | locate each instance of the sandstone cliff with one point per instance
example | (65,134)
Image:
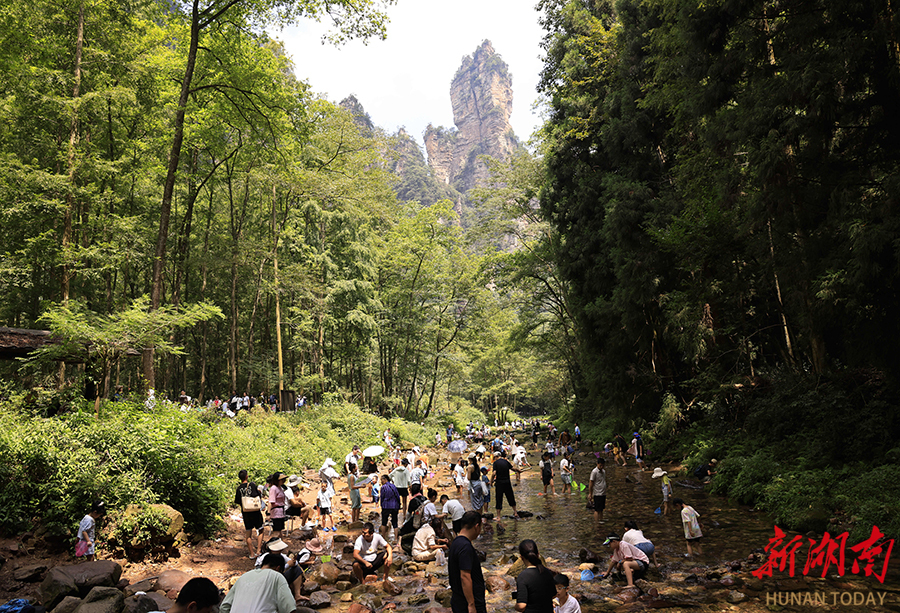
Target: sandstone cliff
(481,95)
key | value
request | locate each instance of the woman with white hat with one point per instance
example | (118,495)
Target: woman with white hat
(329,474)
(666,487)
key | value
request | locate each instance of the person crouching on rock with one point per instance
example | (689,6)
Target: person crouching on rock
(429,540)
(630,559)
(371,552)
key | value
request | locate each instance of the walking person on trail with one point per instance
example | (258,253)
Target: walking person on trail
(400,478)
(565,473)
(546,465)
(666,487)
(249,499)
(597,488)
(464,567)
(87,531)
(690,521)
(277,503)
(501,480)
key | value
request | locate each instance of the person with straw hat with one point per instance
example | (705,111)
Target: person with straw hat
(666,487)
(276,502)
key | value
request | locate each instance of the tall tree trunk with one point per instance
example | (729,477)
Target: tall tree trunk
(165,209)
(70,195)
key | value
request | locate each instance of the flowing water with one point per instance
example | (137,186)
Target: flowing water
(562,526)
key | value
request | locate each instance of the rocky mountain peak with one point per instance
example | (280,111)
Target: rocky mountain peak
(481,96)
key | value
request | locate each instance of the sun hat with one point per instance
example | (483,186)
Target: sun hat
(637,435)
(611,538)
(471,456)
(330,462)
(314,546)
(278,476)
(294,481)
(658,472)
(276,545)
(713,462)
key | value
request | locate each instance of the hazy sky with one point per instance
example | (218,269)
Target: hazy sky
(405,79)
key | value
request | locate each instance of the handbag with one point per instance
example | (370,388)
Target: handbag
(249,504)
(82,548)
(485,490)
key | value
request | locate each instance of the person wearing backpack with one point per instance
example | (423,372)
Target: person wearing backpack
(249,500)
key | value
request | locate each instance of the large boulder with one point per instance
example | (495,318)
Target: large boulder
(174,522)
(30,573)
(320,600)
(68,605)
(78,580)
(520,565)
(328,574)
(443,597)
(139,604)
(171,580)
(495,583)
(102,600)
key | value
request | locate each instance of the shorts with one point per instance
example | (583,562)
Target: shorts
(693,540)
(404,491)
(389,514)
(505,487)
(377,563)
(546,479)
(323,511)
(577,438)
(277,524)
(252,520)
(599,502)
(647,547)
(457,525)
(567,478)
(643,567)
(666,491)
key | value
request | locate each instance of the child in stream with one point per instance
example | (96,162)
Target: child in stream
(690,519)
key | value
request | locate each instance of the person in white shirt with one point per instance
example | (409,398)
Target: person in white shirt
(636,537)
(261,590)
(564,602)
(428,541)
(430,510)
(370,553)
(633,561)
(351,458)
(565,473)
(454,510)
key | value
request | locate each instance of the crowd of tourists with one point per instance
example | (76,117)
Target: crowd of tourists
(427,527)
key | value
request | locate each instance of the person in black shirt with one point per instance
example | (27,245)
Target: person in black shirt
(466,579)
(500,477)
(535,587)
(253,519)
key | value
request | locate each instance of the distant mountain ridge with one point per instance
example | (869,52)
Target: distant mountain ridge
(481,96)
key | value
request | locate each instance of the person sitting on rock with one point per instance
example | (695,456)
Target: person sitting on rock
(429,540)
(199,595)
(630,559)
(368,555)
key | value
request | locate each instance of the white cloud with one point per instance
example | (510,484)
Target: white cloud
(405,80)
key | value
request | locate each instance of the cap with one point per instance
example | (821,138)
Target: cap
(611,538)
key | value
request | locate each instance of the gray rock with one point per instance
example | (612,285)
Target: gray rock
(309,587)
(144,585)
(68,605)
(162,602)
(172,580)
(443,597)
(56,586)
(343,586)
(102,600)
(735,597)
(320,600)
(418,599)
(328,574)
(30,573)
(370,601)
(139,604)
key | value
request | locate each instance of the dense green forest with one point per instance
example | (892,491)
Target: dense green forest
(701,242)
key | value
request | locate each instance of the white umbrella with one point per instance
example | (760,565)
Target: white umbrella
(457,446)
(374,450)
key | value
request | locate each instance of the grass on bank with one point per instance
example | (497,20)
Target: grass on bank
(53,468)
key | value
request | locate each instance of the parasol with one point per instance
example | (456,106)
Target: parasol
(457,446)
(374,450)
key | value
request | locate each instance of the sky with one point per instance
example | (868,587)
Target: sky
(404,81)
